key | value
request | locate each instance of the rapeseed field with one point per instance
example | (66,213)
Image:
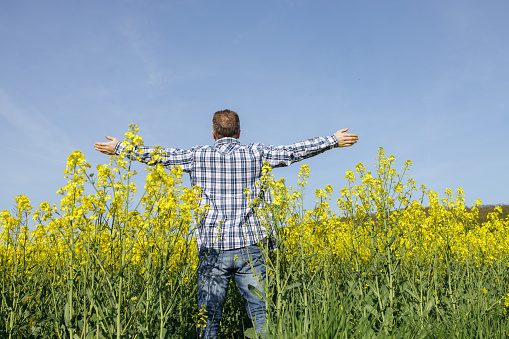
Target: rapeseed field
(387,259)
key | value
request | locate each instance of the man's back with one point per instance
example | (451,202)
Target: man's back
(225,171)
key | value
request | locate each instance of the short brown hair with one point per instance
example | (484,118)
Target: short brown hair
(225,124)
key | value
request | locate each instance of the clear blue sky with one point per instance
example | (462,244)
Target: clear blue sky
(427,80)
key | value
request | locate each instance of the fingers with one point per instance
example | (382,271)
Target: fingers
(350,137)
(102,144)
(113,139)
(348,143)
(346,139)
(103,148)
(106,147)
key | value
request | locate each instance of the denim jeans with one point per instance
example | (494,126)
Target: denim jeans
(214,275)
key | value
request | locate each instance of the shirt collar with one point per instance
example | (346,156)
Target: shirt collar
(227,140)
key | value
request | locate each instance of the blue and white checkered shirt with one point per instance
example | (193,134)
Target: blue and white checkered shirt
(224,171)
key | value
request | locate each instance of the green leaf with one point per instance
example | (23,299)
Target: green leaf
(412,293)
(371,310)
(35,330)
(389,315)
(428,307)
(289,287)
(90,335)
(250,333)
(257,293)
(372,286)
(66,315)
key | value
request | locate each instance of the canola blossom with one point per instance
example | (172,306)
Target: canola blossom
(376,261)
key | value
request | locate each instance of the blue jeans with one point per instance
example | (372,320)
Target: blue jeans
(214,275)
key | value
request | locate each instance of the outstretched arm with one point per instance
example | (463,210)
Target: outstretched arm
(345,139)
(286,155)
(107,147)
(169,157)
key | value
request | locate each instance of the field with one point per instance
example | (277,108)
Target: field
(387,259)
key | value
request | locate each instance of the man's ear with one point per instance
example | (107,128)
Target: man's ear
(238,135)
(214,135)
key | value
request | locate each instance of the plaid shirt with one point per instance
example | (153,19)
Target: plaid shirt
(224,171)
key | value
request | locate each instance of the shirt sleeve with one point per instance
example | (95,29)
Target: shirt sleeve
(168,157)
(281,156)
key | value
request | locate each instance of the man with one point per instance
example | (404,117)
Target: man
(229,232)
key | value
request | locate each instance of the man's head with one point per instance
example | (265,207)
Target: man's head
(225,124)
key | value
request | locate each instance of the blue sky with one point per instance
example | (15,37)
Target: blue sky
(426,80)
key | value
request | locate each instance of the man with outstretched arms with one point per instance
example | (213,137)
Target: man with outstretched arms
(225,171)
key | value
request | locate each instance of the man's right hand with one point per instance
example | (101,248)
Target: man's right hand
(345,139)
(107,147)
